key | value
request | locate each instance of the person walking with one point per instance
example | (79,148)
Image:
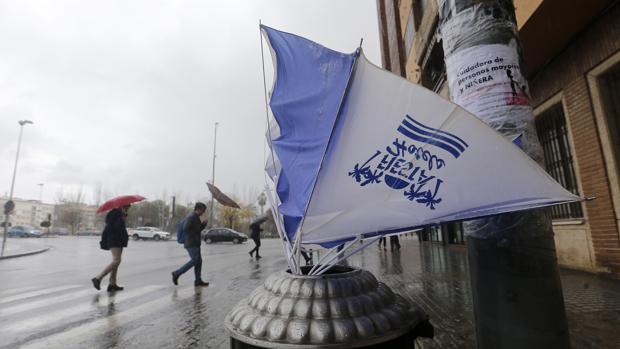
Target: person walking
(382,242)
(255,235)
(394,242)
(191,230)
(113,238)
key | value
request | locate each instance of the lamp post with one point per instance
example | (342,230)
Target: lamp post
(262,200)
(9,205)
(213,174)
(41,191)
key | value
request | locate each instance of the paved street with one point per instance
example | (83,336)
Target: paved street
(46,300)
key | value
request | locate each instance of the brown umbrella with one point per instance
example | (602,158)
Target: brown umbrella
(221,197)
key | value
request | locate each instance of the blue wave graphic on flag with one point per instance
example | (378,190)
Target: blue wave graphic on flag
(439,138)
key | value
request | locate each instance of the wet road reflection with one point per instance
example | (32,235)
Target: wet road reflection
(62,309)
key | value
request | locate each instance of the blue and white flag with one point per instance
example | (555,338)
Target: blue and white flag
(309,87)
(364,152)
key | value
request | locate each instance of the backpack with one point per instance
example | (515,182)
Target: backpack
(180,232)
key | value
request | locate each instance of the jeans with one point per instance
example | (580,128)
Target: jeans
(195,262)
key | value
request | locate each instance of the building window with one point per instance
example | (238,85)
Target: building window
(434,66)
(436,235)
(610,91)
(455,233)
(551,128)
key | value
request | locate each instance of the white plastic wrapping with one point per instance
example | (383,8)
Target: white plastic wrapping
(486,76)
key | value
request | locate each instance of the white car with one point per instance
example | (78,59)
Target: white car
(148,233)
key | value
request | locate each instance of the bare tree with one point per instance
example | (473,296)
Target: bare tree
(70,209)
(148,213)
(98,194)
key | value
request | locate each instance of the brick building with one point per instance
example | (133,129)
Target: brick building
(571,51)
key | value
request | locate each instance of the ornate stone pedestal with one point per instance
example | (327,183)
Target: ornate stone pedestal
(344,308)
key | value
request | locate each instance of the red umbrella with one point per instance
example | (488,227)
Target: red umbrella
(119,202)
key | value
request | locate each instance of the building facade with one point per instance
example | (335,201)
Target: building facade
(29,212)
(571,51)
(34,212)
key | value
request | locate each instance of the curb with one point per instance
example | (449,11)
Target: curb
(25,253)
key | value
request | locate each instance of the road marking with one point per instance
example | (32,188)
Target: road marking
(17,290)
(44,302)
(61,340)
(73,312)
(37,293)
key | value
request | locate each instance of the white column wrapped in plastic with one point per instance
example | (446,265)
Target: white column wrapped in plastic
(512,258)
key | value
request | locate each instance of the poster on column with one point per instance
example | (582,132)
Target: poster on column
(486,79)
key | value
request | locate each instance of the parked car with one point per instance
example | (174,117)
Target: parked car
(59,231)
(88,233)
(222,235)
(148,233)
(24,231)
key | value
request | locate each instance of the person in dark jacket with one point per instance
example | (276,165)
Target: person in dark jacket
(382,242)
(394,242)
(192,228)
(255,235)
(114,238)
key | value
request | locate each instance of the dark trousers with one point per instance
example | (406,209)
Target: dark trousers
(394,242)
(382,241)
(195,262)
(257,245)
(307,257)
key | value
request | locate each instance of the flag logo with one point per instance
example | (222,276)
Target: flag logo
(407,166)
(417,131)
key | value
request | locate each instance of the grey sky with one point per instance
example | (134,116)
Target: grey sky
(124,94)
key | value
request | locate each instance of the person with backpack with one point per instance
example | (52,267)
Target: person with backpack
(190,235)
(180,232)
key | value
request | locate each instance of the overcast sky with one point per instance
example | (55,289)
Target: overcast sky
(124,94)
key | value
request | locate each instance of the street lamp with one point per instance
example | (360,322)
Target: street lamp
(41,191)
(9,204)
(213,175)
(262,200)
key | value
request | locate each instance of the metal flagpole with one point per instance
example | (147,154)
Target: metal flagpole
(40,191)
(337,255)
(8,208)
(322,259)
(347,255)
(213,174)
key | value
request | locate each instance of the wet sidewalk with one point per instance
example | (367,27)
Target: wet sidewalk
(19,247)
(437,279)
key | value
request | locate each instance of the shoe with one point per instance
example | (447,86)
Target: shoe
(114,288)
(96,283)
(175,278)
(251,254)
(200,283)
(258,257)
